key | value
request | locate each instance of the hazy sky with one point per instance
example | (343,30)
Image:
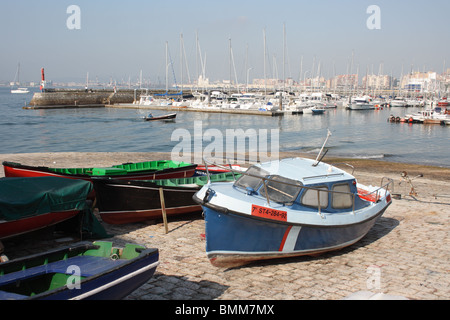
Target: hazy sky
(117,39)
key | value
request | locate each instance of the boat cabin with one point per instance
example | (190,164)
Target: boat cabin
(332,191)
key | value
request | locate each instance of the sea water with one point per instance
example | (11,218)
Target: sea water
(356,134)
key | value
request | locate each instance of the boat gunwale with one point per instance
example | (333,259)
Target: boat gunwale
(84,174)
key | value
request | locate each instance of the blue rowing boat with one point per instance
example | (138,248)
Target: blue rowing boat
(82,271)
(286,208)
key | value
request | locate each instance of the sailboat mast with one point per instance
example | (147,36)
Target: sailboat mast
(18,74)
(167,67)
(181,60)
(265,76)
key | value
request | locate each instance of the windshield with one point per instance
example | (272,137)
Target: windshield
(246,181)
(281,189)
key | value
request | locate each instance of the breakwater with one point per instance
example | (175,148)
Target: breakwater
(90,97)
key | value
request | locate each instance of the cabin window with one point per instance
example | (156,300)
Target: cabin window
(310,197)
(281,189)
(342,200)
(246,181)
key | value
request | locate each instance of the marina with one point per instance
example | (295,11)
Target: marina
(356,134)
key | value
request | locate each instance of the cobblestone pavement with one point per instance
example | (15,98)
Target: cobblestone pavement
(405,254)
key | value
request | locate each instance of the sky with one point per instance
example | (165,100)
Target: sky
(118,39)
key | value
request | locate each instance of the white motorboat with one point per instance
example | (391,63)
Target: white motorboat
(20,90)
(398,102)
(361,103)
(428,116)
(287,208)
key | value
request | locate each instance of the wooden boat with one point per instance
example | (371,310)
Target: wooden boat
(29,204)
(148,170)
(202,170)
(170,116)
(287,208)
(82,271)
(121,201)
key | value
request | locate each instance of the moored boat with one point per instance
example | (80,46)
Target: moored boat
(30,204)
(148,170)
(361,103)
(82,271)
(428,116)
(121,202)
(286,208)
(398,102)
(20,90)
(314,110)
(443,102)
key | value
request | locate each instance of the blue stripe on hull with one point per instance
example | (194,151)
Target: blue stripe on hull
(235,234)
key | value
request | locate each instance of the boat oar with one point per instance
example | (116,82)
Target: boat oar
(163,209)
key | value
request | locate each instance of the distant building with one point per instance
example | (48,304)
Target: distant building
(420,82)
(343,82)
(377,82)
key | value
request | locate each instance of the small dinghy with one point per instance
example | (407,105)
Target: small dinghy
(82,271)
(170,116)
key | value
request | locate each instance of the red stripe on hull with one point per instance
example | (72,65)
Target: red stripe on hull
(284,238)
(17,172)
(13,228)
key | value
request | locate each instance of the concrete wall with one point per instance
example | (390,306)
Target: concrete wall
(81,97)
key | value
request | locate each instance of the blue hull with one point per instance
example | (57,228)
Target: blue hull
(233,239)
(114,285)
(102,276)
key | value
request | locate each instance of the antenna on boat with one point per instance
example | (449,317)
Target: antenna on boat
(321,149)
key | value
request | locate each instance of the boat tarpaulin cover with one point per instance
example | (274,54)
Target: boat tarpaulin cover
(26,197)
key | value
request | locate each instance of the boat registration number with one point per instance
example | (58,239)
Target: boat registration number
(269,213)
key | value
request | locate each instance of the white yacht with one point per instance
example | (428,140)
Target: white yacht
(361,103)
(398,102)
(20,90)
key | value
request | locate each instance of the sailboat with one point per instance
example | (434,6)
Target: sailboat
(17,77)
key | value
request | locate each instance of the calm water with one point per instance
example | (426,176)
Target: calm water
(361,134)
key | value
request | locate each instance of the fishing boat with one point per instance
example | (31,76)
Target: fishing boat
(170,116)
(121,202)
(287,208)
(82,271)
(29,204)
(148,170)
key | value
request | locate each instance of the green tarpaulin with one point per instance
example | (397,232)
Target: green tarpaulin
(25,197)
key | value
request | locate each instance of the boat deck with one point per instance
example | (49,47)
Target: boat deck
(89,266)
